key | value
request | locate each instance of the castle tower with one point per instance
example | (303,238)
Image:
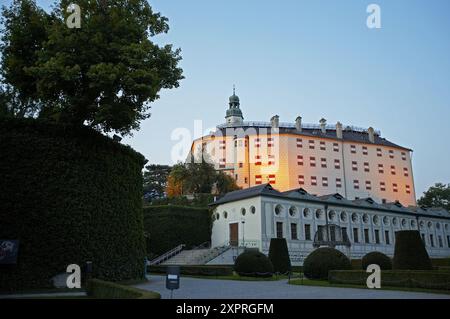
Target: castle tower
(234,113)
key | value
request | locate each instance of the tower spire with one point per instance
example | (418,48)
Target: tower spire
(234,89)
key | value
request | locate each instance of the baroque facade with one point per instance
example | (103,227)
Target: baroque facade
(321,158)
(251,217)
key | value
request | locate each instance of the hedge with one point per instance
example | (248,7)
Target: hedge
(377,258)
(320,261)
(70,195)
(279,255)
(410,252)
(196,270)
(169,226)
(392,278)
(108,290)
(253,263)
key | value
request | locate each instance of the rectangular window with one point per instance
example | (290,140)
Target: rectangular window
(294,235)
(391,154)
(271,160)
(408,189)
(337,164)
(307,232)
(344,233)
(377,236)
(355,184)
(300,160)
(338,183)
(258,160)
(270,142)
(392,170)
(368,185)
(272,179)
(241,165)
(299,143)
(279,230)
(395,188)
(448,241)
(313,181)
(379,152)
(245,180)
(364,150)
(380,169)
(404,156)
(257,142)
(431,240)
(301,180)
(366,236)
(353,149)
(382,186)
(222,163)
(387,239)
(354,166)
(440,241)
(311,144)
(423,238)
(355,235)
(258,179)
(322,146)
(323,162)
(222,145)
(325,181)
(405,172)
(366,167)
(312,161)
(336,147)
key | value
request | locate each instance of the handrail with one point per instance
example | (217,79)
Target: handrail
(167,255)
(206,244)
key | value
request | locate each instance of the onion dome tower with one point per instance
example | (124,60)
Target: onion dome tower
(234,113)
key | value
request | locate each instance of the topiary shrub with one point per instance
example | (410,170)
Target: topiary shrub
(279,255)
(322,260)
(410,252)
(253,263)
(377,258)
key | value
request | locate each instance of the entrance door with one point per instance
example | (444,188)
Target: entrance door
(234,234)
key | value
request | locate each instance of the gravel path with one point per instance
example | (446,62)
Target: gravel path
(194,288)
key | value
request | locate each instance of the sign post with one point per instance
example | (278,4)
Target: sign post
(9,249)
(173,279)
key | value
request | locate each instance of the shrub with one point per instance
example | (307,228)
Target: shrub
(108,290)
(70,195)
(169,226)
(279,255)
(376,258)
(196,270)
(410,252)
(322,260)
(253,263)
(395,278)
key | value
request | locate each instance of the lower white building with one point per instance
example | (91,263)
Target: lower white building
(251,217)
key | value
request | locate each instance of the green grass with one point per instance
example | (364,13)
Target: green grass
(325,283)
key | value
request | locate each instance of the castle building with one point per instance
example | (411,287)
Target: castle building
(320,158)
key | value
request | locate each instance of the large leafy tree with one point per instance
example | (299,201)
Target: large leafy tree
(155,181)
(436,196)
(104,74)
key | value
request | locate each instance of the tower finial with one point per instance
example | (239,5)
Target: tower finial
(234,89)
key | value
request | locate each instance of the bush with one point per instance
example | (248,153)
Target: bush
(253,263)
(410,252)
(376,258)
(395,278)
(108,290)
(322,260)
(279,255)
(70,195)
(169,226)
(196,270)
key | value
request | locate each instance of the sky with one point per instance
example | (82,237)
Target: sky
(314,58)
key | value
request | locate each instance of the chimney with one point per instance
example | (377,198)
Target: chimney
(275,121)
(298,123)
(339,130)
(371,133)
(323,124)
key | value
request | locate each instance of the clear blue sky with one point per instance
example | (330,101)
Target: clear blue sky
(315,59)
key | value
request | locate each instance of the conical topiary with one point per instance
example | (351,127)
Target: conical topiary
(279,255)
(410,252)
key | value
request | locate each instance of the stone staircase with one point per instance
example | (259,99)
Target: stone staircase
(198,256)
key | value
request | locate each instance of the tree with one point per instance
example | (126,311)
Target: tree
(104,74)
(436,196)
(155,181)
(225,183)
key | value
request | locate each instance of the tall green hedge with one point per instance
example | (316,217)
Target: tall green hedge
(410,252)
(279,255)
(70,195)
(169,226)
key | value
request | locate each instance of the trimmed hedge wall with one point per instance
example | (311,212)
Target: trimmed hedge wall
(196,270)
(108,290)
(392,278)
(169,226)
(70,195)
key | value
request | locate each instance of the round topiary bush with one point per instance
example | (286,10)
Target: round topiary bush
(254,264)
(322,260)
(279,255)
(376,258)
(410,252)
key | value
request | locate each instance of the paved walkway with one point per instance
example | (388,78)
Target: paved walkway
(194,288)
